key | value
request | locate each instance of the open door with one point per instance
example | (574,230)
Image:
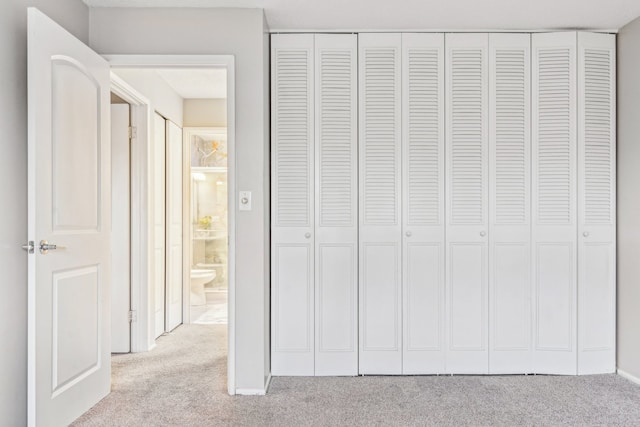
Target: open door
(69,225)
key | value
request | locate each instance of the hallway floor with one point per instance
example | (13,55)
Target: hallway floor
(183,383)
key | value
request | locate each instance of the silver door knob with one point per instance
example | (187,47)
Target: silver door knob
(585,234)
(408,234)
(483,233)
(307,235)
(45,247)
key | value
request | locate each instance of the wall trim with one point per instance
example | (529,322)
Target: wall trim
(628,376)
(255,391)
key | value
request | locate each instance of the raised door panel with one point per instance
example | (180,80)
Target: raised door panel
(159,155)
(292,180)
(380,286)
(554,202)
(423,203)
(467,202)
(510,183)
(336,189)
(596,203)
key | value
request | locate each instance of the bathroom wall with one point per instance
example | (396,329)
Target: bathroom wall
(74,16)
(244,34)
(205,112)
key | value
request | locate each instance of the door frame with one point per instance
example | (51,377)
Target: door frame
(141,195)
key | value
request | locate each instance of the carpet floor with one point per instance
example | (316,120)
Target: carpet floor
(183,383)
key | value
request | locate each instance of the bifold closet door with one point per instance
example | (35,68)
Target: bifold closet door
(292,242)
(509,195)
(596,203)
(467,203)
(554,147)
(336,218)
(423,252)
(380,278)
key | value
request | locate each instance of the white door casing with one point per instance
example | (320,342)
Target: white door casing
(174,209)
(158,154)
(467,202)
(596,203)
(554,203)
(423,240)
(380,262)
(120,229)
(336,215)
(292,189)
(509,209)
(69,192)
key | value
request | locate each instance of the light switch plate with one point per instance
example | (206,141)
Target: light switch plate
(245,200)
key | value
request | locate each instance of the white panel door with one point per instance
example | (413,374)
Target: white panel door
(158,154)
(292,204)
(69,208)
(336,217)
(173,257)
(380,263)
(554,202)
(596,203)
(120,229)
(467,202)
(509,211)
(423,259)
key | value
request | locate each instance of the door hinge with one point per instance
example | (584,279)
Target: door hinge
(133,132)
(132,316)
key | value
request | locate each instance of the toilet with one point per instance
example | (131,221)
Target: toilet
(200,277)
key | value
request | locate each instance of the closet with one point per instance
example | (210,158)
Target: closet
(443,203)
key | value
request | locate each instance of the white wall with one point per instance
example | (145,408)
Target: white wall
(73,15)
(242,33)
(210,112)
(629,198)
(161,96)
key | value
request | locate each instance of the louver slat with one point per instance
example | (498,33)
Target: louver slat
(380,99)
(335,138)
(510,137)
(424,106)
(554,137)
(467,166)
(597,137)
(292,133)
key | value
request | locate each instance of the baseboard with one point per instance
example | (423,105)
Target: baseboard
(255,391)
(628,376)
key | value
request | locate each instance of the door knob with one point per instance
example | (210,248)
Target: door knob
(585,234)
(483,233)
(45,247)
(408,234)
(307,235)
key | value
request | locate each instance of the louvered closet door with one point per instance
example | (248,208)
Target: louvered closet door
(596,203)
(292,250)
(336,144)
(510,183)
(467,202)
(380,265)
(423,203)
(554,202)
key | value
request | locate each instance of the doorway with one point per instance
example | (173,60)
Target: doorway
(206,215)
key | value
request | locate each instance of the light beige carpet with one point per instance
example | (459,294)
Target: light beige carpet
(183,383)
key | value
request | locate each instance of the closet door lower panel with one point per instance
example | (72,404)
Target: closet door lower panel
(423,203)
(336,250)
(380,263)
(467,203)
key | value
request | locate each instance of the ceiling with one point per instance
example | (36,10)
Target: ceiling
(463,15)
(195,83)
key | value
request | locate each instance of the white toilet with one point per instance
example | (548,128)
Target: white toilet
(199,277)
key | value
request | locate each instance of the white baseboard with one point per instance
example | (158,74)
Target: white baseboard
(628,376)
(255,391)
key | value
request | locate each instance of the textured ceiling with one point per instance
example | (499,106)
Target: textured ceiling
(359,15)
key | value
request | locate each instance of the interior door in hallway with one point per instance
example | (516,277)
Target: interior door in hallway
(69,225)
(158,153)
